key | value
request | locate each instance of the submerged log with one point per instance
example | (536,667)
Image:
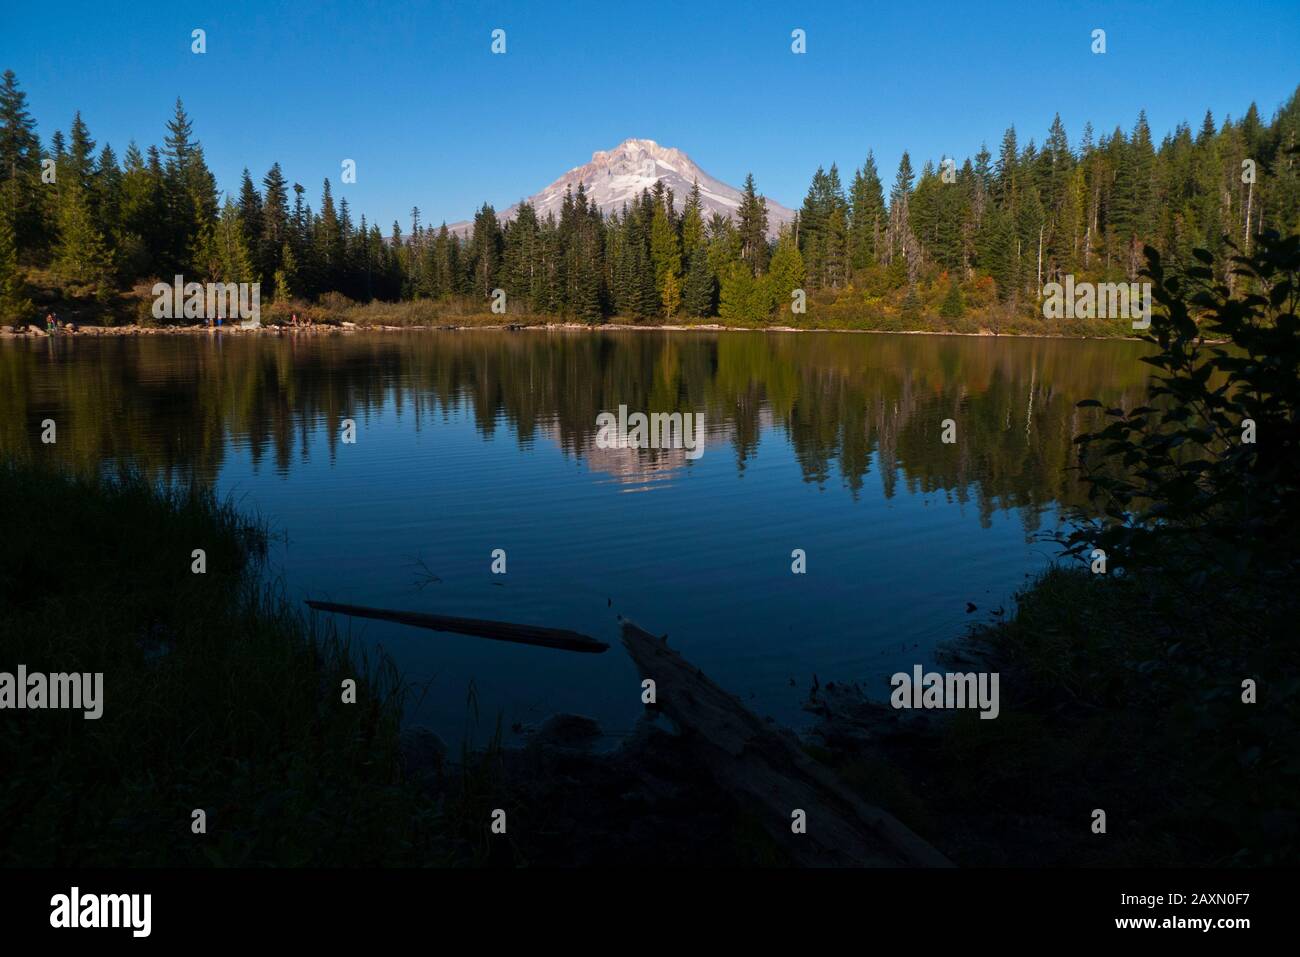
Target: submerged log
(766,770)
(497,630)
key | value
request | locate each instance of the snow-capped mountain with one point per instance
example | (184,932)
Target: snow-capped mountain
(617,176)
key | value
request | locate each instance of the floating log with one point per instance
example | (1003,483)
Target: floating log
(496,630)
(765,768)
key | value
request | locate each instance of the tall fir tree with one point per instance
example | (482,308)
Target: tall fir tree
(15,307)
(867,216)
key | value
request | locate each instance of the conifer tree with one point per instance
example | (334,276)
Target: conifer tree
(835,249)
(20,168)
(786,272)
(275,233)
(250,214)
(224,253)
(286,275)
(106,189)
(698,291)
(15,307)
(81,257)
(952,307)
(739,299)
(142,217)
(867,220)
(692,223)
(191,193)
(752,228)
(485,252)
(667,257)
(903,248)
(811,228)
(78,167)
(328,243)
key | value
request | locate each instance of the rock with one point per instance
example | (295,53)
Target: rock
(422,751)
(36,330)
(571,731)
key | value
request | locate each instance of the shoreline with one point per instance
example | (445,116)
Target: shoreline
(347,328)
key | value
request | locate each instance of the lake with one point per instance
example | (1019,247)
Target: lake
(472,441)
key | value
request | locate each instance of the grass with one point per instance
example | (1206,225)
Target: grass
(824,312)
(217,695)
(1117,695)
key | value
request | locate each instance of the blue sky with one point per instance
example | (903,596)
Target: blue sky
(412,93)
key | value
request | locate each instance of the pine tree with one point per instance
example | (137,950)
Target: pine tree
(190,188)
(995,249)
(1005,173)
(142,216)
(835,249)
(739,300)
(952,220)
(328,243)
(106,189)
(444,263)
(275,233)
(79,164)
(952,307)
(667,257)
(692,223)
(671,294)
(786,272)
(867,222)
(911,309)
(20,168)
(810,228)
(698,294)
(485,252)
(903,249)
(753,228)
(250,213)
(81,257)
(1132,207)
(15,307)
(286,276)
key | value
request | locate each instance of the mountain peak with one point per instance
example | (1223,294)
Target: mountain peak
(638,147)
(617,177)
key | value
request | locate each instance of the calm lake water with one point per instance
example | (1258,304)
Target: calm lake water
(472,441)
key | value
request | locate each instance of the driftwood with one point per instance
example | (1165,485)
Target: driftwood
(497,630)
(765,769)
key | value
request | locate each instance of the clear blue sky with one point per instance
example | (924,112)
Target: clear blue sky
(412,92)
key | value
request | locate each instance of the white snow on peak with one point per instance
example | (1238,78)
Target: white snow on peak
(617,177)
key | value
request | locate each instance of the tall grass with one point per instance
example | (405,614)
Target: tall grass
(218,695)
